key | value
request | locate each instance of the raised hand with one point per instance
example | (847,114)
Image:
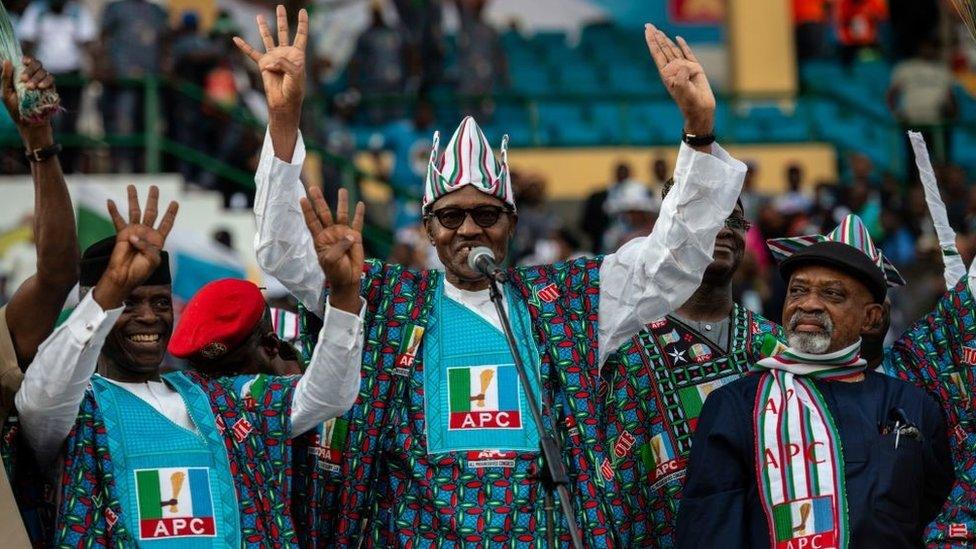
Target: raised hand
(684,78)
(34,77)
(338,245)
(137,247)
(283,65)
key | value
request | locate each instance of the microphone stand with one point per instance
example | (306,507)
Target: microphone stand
(553,475)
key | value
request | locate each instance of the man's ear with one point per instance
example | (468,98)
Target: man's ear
(511,227)
(873,318)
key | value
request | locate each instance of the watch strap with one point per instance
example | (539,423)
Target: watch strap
(43,153)
(694,140)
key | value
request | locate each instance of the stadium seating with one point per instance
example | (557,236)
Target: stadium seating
(603,90)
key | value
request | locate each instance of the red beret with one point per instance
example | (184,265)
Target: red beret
(221,316)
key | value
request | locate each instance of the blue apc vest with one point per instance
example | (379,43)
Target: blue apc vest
(473,397)
(173,484)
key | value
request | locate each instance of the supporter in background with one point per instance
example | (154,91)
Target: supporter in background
(750,198)
(561,245)
(60,34)
(660,172)
(424,35)
(632,209)
(920,96)
(409,141)
(134,42)
(536,219)
(794,201)
(810,20)
(857,27)
(594,219)
(378,66)
(481,59)
(339,140)
(195,56)
(912,22)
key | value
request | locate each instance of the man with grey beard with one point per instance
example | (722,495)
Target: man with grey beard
(813,450)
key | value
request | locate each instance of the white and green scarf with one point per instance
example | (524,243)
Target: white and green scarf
(799,459)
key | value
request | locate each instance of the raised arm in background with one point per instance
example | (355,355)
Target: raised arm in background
(34,307)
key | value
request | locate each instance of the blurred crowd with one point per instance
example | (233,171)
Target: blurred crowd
(400,48)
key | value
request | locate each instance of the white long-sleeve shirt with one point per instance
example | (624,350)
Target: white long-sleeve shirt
(55,382)
(644,280)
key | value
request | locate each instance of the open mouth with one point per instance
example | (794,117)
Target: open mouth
(143,339)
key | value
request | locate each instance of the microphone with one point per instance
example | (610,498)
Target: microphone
(482,260)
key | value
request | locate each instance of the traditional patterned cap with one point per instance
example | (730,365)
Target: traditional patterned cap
(220,317)
(851,232)
(468,160)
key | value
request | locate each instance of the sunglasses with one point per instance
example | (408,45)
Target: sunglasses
(483,216)
(737,223)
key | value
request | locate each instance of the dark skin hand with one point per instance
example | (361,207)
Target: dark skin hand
(338,246)
(283,75)
(34,307)
(137,343)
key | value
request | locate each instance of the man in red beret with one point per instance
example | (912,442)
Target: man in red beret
(226,329)
(178,458)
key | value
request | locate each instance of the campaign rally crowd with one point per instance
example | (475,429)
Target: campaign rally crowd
(401,414)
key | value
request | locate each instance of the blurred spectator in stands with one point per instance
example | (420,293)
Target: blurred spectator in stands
(865,202)
(920,96)
(793,201)
(481,60)
(60,33)
(560,245)
(862,169)
(954,185)
(378,67)
(411,248)
(594,219)
(536,220)
(857,27)
(912,22)
(134,41)
(194,56)
(633,210)
(339,140)
(811,24)
(822,212)
(409,141)
(424,35)
(750,197)
(660,173)
(899,242)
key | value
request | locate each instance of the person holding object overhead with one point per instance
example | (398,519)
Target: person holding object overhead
(813,450)
(439,449)
(176,459)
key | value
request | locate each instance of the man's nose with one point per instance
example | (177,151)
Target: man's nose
(469,227)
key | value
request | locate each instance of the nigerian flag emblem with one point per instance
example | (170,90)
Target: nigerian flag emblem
(807,522)
(484,397)
(175,502)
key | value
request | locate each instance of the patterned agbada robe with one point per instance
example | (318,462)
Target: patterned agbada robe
(376,483)
(257,440)
(656,394)
(938,354)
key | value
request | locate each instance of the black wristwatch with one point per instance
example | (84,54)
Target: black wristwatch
(42,154)
(698,140)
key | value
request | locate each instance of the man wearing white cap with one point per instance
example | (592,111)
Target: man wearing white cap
(439,449)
